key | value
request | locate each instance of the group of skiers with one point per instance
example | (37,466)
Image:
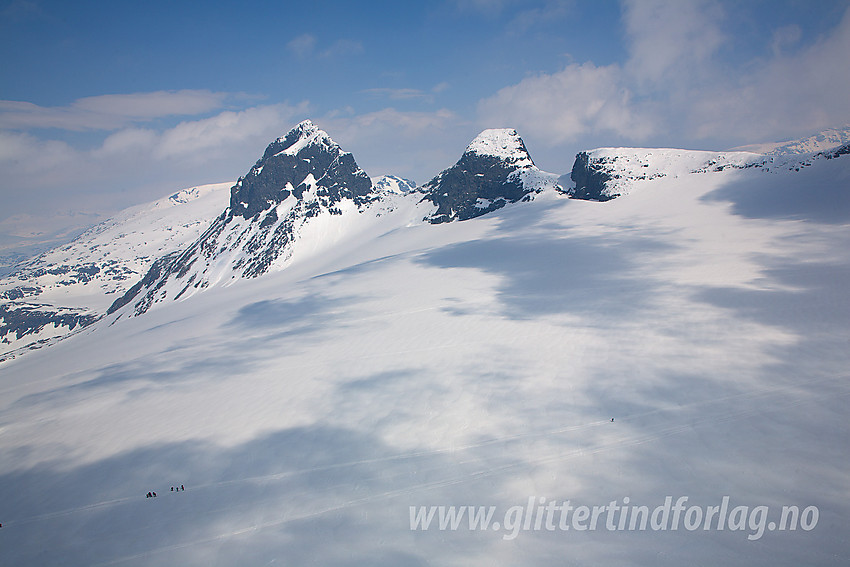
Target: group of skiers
(173,489)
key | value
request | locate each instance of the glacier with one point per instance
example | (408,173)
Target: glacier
(385,361)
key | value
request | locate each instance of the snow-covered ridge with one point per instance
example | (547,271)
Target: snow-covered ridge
(72,285)
(503,143)
(823,141)
(606,173)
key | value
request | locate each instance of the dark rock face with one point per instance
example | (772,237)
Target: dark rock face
(837,152)
(299,176)
(481,182)
(21,319)
(474,186)
(153,275)
(591,179)
(285,166)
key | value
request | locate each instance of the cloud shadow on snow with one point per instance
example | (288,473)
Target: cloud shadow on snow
(579,275)
(302,488)
(818,194)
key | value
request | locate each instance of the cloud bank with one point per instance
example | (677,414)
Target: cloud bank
(678,83)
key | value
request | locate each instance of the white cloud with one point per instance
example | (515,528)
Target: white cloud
(784,38)
(109,112)
(302,45)
(678,86)
(135,164)
(223,131)
(671,42)
(407,124)
(563,106)
(126,141)
(30,156)
(412,144)
(154,104)
(784,96)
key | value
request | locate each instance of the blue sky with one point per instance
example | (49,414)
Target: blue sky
(108,104)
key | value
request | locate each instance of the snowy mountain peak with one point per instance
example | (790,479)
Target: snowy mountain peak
(301,136)
(494,170)
(303,178)
(306,159)
(393,184)
(503,143)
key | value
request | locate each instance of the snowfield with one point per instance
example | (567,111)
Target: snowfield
(395,364)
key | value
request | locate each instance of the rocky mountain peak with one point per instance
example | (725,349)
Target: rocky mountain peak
(494,170)
(303,159)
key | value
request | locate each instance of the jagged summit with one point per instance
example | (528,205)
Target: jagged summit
(303,159)
(494,170)
(302,175)
(304,134)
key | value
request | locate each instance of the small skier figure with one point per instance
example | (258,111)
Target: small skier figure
(181,487)
(154,494)
(149,495)
(612,420)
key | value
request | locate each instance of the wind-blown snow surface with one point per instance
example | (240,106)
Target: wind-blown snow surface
(467,363)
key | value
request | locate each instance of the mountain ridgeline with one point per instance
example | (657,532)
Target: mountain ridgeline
(306,189)
(305,175)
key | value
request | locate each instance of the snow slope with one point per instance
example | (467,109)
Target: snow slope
(821,142)
(465,363)
(84,276)
(607,173)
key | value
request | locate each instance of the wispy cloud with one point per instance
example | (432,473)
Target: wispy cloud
(413,144)
(302,45)
(547,13)
(109,112)
(407,93)
(342,47)
(400,94)
(307,45)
